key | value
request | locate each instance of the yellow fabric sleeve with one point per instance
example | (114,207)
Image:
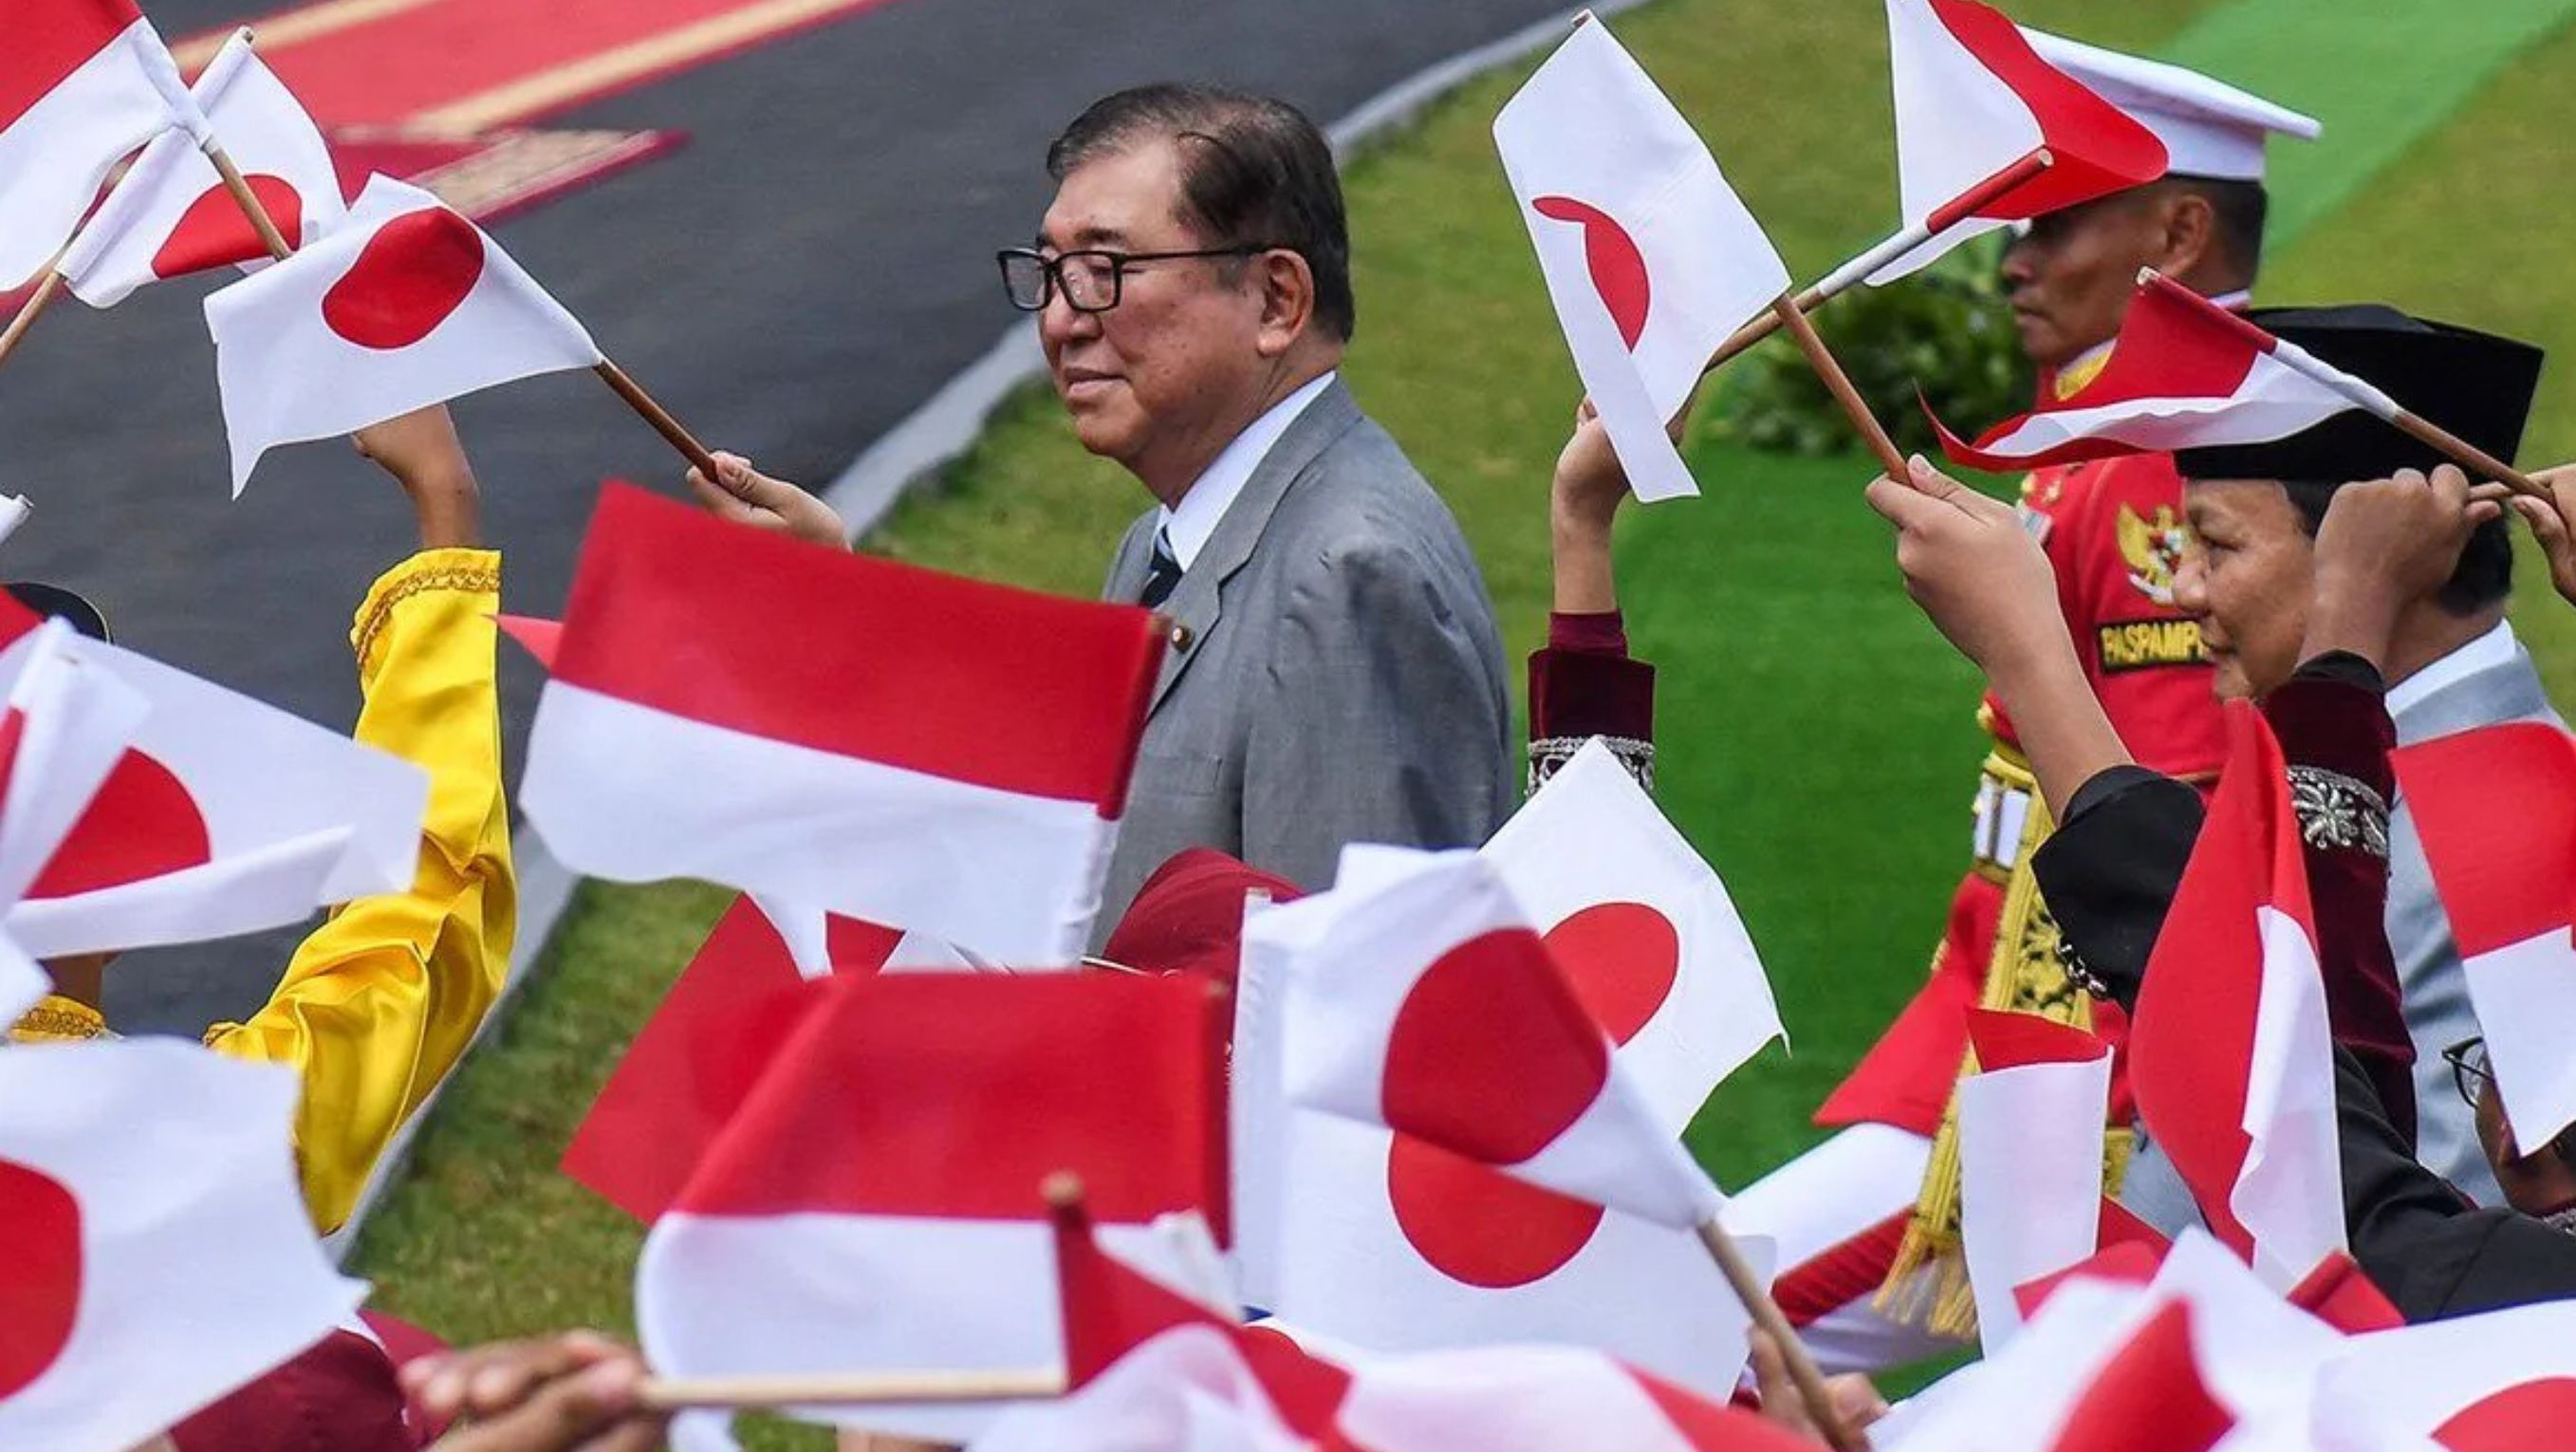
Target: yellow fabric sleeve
(380,1001)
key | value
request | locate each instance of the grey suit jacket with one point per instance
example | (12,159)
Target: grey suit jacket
(2419,932)
(1335,673)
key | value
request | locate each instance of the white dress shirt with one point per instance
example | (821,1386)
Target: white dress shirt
(1188,527)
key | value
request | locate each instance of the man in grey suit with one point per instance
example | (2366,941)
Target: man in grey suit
(1334,672)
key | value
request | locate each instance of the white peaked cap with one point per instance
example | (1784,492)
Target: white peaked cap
(2210,128)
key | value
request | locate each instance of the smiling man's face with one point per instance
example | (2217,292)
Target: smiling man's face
(2246,577)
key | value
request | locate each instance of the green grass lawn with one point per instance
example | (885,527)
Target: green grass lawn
(1818,739)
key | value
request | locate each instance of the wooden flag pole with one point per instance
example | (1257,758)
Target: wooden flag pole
(1838,383)
(660,418)
(1766,1315)
(669,1394)
(249,202)
(47,287)
(1842,279)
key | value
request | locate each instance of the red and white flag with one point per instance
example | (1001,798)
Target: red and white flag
(2184,373)
(224,815)
(1385,1240)
(704,1048)
(1643,928)
(2030,1157)
(404,305)
(82,84)
(159,1253)
(63,731)
(2499,1382)
(170,215)
(847,733)
(1190,1388)
(1972,100)
(1650,258)
(1540,1399)
(2496,811)
(1431,1007)
(2230,1051)
(875,1204)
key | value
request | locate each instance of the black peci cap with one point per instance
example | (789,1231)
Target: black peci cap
(50,600)
(2477,385)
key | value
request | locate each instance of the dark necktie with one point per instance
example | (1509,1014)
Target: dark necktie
(1162,575)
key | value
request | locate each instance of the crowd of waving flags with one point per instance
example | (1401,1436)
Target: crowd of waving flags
(1410,1175)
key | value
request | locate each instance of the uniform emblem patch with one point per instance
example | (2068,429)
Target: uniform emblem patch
(2152,546)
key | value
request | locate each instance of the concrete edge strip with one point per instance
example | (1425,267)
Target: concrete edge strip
(927,440)
(939,432)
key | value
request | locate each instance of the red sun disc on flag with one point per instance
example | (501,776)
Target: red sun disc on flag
(1500,1075)
(142,824)
(1616,262)
(2533,1414)
(213,232)
(410,277)
(1481,1227)
(40,1277)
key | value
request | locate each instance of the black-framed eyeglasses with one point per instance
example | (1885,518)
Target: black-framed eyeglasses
(1091,279)
(2469,1070)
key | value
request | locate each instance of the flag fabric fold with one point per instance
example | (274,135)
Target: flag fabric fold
(1972,99)
(874,1205)
(2495,810)
(1650,258)
(2030,1157)
(404,305)
(1189,1388)
(170,215)
(2184,373)
(159,1253)
(846,733)
(1538,1399)
(2229,1050)
(2497,1382)
(1430,1007)
(82,84)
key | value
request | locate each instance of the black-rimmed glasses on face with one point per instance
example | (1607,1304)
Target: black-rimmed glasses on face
(2469,1070)
(1091,279)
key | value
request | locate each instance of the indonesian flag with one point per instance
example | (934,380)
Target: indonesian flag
(1432,1008)
(2183,374)
(874,1206)
(700,1054)
(405,305)
(225,815)
(859,736)
(1540,1399)
(1642,927)
(159,1255)
(2496,811)
(82,83)
(1353,1231)
(170,215)
(2230,1050)
(1973,99)
(1189,1388)
(2500,1382)
(2030,1157)
(1650,258)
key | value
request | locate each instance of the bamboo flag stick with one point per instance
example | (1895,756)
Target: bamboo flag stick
(1838,383)
(2472,459)
(857,1389)
(660,418)
(1851,274)
(249,202)
(47,287)
(1766,1315)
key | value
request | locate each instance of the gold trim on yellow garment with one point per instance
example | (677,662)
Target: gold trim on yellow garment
(59,1020)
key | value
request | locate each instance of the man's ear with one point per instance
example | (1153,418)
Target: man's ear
(1287,287)
(2190,233)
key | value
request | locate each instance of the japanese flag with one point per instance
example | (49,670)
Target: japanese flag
(1642,927)
(1972,99)
(1356,1232)
(170,215)
(875,1205)
(405,305)
(159,1255)
(63,733)
(1650,258)
(2495,810)
(82,83)
(2229,1050)
(2030,1157)
(224,815)
(1429,1006)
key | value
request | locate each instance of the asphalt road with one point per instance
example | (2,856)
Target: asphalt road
(814,264)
